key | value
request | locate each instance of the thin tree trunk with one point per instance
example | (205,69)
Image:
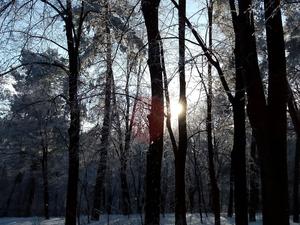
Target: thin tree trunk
(238,155)
(74,129)
(191,193)
(31,190)
(209,127)
(231,185)
(276,209)
(254,190)
(105,131)
(296,182)
(199,186)
(165,189)
(128,132)
(156,117)
(45,182)
(294,112)
(200,199)
(180,154)
(126,205)
(257,107)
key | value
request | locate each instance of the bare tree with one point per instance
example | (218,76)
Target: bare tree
(156,117)
(105,131)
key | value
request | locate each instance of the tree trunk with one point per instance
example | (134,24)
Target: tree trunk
(126,203)
(211,165)
(180,154)
(276,209)
(124,153)
(231,185)
(74,129)
(239,158)
(105,131)
(156,117)
(254,189)
(294,112)
(45,182)
(256,107)
(296,182)
(31,190)
(239,141)
(165,190)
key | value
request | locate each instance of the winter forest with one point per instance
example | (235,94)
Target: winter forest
(149,112)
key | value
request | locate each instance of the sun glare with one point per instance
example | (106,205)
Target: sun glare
(176,109)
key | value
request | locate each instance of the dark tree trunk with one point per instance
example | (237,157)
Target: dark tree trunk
(126,203)
(105,131)
(45,182)
(198,178)
(73,171)
(164,192)
(215,193)
(156,117)
(296,182)
(294,113)
(276,209)
(231,185)
(254,186)
(238,155)
(31,190)
(180,154)
(180,207)
(270,136)
(256,107)
(191,194)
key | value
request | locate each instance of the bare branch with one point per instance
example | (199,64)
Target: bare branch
(209,55)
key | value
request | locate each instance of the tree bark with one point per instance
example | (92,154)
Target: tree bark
(156,117)
(45,182)
(231,185)
(256,107)
(294,112)
(31,190)
(105,131)
(296,182)
(239,158)
(209,127)
(254,188)
(238,154)
(73,151)
(74,129)
(276,209)
(199,186)
(180,154)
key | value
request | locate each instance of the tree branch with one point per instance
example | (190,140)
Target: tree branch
(209,55)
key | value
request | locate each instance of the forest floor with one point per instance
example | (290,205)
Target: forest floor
(168,219)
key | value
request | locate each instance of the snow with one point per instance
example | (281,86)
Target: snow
(168,219)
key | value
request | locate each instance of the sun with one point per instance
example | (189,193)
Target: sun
(176,109)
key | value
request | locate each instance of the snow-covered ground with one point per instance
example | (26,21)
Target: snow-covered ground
(168,219)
